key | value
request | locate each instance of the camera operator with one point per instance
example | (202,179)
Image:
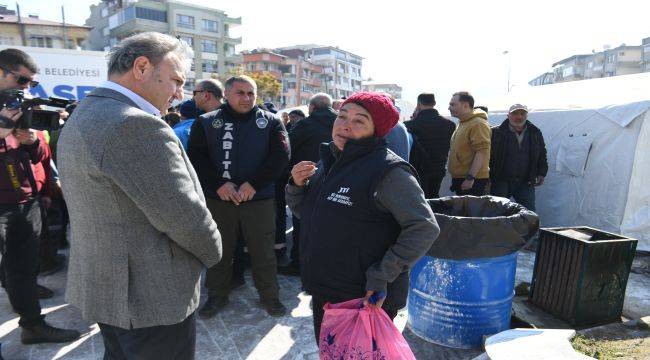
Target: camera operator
(20,214)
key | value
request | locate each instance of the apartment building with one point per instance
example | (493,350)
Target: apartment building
(393,89)
(341,69)
(300,78)
(645,57)
(206,29)
(622,60)
(20,30)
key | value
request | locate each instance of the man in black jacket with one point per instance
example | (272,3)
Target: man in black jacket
(305,138)
(238,152)
(518,163)
(432,133)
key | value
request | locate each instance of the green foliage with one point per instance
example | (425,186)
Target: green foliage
(268,87)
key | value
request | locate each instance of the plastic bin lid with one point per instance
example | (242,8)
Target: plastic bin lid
(480,227)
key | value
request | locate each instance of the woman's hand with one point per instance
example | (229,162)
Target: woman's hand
(302,171)
(374,298)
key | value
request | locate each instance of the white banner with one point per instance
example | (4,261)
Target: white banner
(69,74)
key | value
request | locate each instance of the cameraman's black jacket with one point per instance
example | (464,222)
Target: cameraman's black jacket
(16,156)
(225,146)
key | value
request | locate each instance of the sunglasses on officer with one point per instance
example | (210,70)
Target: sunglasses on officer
(20,79)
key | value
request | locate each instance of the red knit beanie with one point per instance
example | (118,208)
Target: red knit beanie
(381,108)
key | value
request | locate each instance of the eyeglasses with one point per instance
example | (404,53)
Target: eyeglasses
(21,79)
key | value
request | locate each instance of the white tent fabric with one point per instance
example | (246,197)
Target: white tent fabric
(597,134)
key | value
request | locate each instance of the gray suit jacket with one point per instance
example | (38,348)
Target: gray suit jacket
(140,229)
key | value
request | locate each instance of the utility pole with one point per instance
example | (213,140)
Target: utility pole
(65,29)
(509,66)
(21,26)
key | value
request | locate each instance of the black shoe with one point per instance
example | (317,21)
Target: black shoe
(237,282)
(212,306)
(57,264)
(274,307)
(44,333)
(43,292)
(289,270)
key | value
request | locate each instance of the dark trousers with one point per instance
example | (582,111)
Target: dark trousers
(280,219)
(20,229)
(49,244)
(431,186)
(317,303)
(478,189)
(171,342)
(239,259)
(256,219)
(521,191)
(295,242)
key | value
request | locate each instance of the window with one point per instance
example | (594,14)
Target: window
(121,17)
(622,53)
(189,85)
(6,40)
(321,51)
(41,41)
(151,14)
(185,21)
(210,25)
(229,49)
(209,66)
(209,46)
(250,66)
(188,39)
(104,12)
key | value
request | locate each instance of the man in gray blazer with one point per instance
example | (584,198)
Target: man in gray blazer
(141,232)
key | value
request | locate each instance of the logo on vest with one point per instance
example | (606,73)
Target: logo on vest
(261,122)
(217,123)
(337,197)
(227,140)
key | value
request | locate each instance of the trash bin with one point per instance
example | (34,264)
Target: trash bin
(462,289)
(581,274)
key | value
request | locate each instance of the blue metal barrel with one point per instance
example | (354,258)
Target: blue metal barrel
(456,302)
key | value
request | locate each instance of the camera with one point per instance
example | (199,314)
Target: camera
(37,119)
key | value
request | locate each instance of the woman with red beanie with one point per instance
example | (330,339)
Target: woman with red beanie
(364,219)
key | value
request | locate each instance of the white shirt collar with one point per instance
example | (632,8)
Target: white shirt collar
(137,99)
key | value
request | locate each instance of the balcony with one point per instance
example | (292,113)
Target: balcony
(315,82)
(231,40)
(233,21)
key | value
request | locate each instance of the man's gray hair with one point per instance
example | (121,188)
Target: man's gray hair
(152,45)
(240,78)
(321,101)
(212,86)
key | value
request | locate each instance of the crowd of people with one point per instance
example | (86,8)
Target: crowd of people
(156,194)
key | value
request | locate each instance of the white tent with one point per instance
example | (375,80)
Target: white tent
(597,134)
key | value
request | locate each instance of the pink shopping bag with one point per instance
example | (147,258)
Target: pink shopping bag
(352,331)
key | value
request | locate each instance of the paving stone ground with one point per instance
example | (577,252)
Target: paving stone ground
(243,330)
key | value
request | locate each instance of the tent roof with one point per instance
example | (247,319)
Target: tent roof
(620,98)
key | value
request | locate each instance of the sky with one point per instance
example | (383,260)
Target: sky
(427,46)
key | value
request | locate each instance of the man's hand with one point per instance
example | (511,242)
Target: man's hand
(302,171)
(376,300)
(11,114)
(26,136)
(466,185)
(539,181)
(228,192)
(246,191)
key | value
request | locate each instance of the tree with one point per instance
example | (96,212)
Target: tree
(268,87)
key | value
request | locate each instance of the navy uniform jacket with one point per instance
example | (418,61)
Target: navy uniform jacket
(225,146)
